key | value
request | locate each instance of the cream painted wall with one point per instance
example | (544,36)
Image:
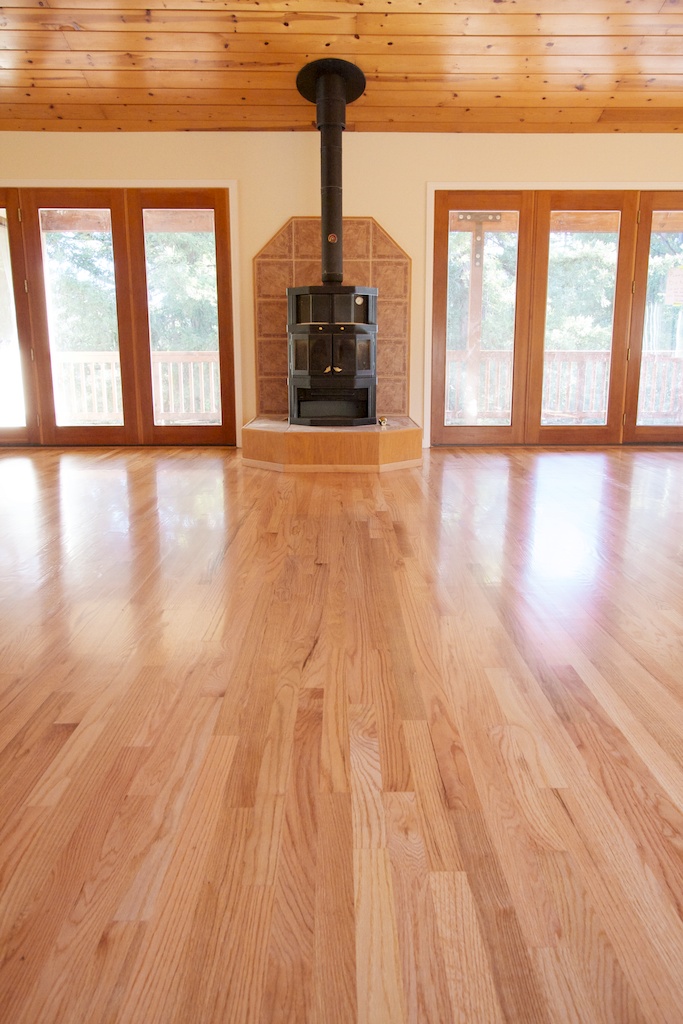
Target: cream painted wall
(273,176)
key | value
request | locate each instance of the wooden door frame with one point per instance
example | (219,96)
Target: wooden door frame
(626,202)
(30,433)
(519,200)
(184,199)
(32,201)
(649,202)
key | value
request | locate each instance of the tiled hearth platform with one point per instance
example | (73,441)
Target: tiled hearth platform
(271,442)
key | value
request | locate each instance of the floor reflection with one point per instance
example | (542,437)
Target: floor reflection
(20,518)
(190,499)
(565,522)
(472,524)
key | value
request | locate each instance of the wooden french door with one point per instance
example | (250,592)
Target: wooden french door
(654,397)
(181,299)
(580,309)
(482,286)
(127,328)
(532,304)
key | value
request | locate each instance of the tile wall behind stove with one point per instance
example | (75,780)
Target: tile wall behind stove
(371,257)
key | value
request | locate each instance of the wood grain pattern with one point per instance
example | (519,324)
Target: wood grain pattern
(449,66)
(320,750)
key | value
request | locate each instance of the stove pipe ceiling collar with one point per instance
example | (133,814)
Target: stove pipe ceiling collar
(331,84)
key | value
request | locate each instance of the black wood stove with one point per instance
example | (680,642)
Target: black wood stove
(332,327)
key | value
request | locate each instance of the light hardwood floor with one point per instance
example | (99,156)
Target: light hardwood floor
(341,748)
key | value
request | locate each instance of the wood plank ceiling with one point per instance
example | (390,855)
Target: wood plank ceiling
(431,65)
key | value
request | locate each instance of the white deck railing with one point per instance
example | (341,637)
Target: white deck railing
(185,386)
(576,388)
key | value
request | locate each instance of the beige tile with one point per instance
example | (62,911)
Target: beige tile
(307,272)
(357,272)
(392,396)
(272,358)
(392,359)
(392,318)
(357,233)
(306,238)
(391,278)
(271,318)
(272,278)
(273,396)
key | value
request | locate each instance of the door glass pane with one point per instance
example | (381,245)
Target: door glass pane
(480,318)
(78,260)
(12,409)
(660,395)
(582,271)
(182,296)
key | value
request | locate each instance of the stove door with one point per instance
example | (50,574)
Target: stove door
(321,353)
(344,351)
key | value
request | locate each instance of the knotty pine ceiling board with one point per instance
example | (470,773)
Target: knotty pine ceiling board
(430,65)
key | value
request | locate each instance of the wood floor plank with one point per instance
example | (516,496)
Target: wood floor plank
(93,720)
(334,965)
(28,756)
(468,970)
(652,820)
(515,976)
(545,646)
(395,630)
(212,912)
(423,968)
(393,753)
(624,892)
(166,781)
(514,824)
(369,830)
(27,940)
(151,992)
(66,967)
(288,992)
(590,961)
(401,747)
(438,831)
(378,961)
(566,998)
(335,755)
(108,973)
(424,608)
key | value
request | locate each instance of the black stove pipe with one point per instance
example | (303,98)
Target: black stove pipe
(331,121)
(331,84)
